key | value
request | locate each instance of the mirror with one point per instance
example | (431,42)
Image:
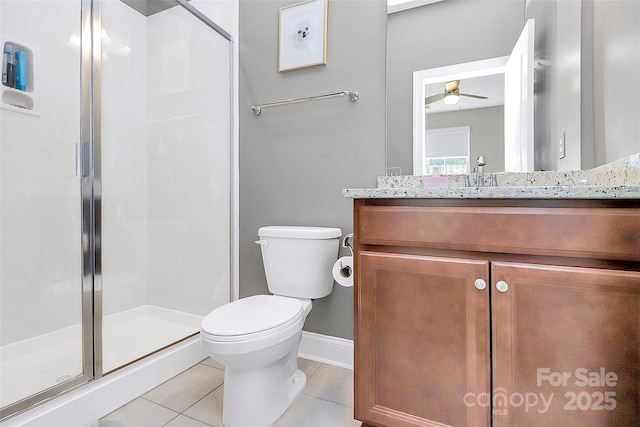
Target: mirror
(502,137)
(477,89)
(582,49)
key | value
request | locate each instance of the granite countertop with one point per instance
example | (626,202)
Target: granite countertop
(616,180)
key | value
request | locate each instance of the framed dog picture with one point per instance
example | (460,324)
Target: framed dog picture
(303,35)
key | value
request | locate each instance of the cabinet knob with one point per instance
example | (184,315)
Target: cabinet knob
(480,284)
(502,286)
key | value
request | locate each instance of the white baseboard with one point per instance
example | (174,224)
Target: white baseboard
(327,349)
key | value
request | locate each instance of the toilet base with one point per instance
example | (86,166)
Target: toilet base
(257,398)
(261,377)
(296,384)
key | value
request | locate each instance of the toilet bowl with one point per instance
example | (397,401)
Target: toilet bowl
(257,338)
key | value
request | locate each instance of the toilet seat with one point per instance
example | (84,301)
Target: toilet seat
(252,317)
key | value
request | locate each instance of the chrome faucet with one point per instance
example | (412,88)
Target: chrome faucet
(481,163)
(477,176)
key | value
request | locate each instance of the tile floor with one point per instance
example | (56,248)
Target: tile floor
(194,399)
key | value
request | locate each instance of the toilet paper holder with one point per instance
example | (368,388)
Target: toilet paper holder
(345,270)
(346,244)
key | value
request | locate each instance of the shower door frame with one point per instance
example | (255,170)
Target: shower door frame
(84,164)
(88,167)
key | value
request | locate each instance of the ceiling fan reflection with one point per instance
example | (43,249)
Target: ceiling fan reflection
(451,94)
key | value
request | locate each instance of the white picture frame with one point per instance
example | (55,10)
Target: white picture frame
(303,35)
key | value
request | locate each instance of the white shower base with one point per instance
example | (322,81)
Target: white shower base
(35,364)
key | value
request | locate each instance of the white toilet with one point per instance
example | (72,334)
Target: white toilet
(257,338)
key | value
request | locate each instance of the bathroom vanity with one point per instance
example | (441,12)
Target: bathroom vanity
(498,309)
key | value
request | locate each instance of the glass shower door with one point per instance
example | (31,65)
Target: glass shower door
(41,288)
(115,187)
(165,176)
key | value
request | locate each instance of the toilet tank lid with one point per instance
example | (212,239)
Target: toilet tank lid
(299,232)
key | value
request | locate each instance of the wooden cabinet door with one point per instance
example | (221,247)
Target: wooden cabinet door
(566,346)
(421,340)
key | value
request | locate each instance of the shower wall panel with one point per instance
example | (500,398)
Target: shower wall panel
(188,163)
(125,197)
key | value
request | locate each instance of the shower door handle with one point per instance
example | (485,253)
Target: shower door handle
(82,159)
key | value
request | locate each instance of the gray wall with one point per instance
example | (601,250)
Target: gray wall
(435,35)
(486,136)
(296,159)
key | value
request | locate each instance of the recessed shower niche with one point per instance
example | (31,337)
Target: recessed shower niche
(14,99)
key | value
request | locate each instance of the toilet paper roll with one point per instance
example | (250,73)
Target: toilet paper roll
(343,271)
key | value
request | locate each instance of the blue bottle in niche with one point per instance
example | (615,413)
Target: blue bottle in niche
(21,70)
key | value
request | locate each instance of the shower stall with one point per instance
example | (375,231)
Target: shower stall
(116,178)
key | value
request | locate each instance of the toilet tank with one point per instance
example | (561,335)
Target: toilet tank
(298,260)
